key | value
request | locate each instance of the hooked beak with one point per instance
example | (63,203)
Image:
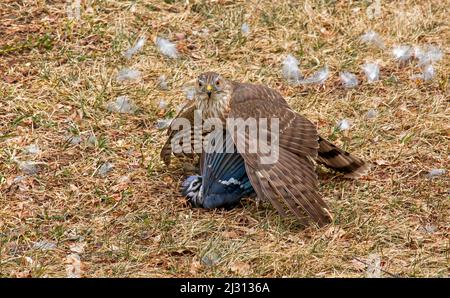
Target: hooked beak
(209,90)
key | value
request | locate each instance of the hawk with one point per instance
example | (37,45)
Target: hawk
(290,183)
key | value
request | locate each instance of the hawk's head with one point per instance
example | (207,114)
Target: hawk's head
(209,85)
(213,93)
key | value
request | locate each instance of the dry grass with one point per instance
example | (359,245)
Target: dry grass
(58,75)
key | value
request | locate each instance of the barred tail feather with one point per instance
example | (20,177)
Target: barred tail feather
(339,160)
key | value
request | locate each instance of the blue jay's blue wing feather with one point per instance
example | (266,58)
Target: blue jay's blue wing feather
(223,181)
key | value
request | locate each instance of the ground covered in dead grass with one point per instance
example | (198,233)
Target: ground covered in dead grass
(73,217)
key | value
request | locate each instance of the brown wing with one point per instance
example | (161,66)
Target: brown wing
(291,182)
(187,112)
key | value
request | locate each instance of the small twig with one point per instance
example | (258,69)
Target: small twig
(9,260)
(112,208)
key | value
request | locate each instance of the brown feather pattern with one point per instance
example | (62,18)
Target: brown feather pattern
(290,184)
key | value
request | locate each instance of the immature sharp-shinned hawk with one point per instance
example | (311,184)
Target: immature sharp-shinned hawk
(290,183)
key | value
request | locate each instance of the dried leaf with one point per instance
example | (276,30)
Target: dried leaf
(381,162)
(195,266)
(73,266)
(78,247)
(230,235)
(358,265)
(240,268)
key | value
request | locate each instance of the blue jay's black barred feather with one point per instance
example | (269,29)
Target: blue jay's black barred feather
(223,180)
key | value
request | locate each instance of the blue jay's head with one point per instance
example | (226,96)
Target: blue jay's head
(191,184)
(192,190)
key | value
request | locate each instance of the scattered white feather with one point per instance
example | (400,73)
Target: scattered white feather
(348,79)
(28,167)
(344,124)
(127,74)
(133,7)
(167,48)
(136,48)
(44,245)
(429,228)
(210,259)
(372,113)
(372,71)
(105,169)
(163,82)
(89,10)
(189,91)
(230,181)
(245,29)
(122,104)
(163,123)
(92,140)
(204,32)
(427,73)
(73,139)
(73,10)
(319,77)
(32,149)
(373,266)
(435,173)
(29,261)
(290,69)
(372,38)
(428,55)
(18,179)
(162,104)
(419,54)
(402,53)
